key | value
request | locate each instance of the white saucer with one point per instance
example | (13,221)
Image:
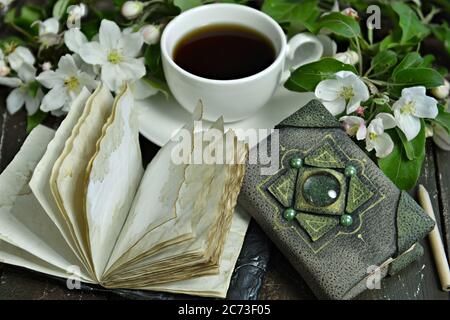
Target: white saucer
(161,118)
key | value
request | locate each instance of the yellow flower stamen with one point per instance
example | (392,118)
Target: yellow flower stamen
(408,108)
(373,136)
(71,83)
(115,57)
(347,93)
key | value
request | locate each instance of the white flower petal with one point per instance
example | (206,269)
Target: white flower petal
(414,91)
(409,124)
(67,66)
(376,126)
(32,103)
(15,100)
(362,132)
(50,25)
(87,81)
(426,107)
(353,105)
(388,120)
(27,73)
(50,79)
(335,107)
(113,76)
(74,39)
(54,99)
(110,34)
(131,44)
(328,90)
(93,53)
(19,56)
(134,68)
(10,82)
(142,90)
(383,145)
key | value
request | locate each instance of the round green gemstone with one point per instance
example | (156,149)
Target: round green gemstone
(350,171)
(321,189)
(289,214)
(346,220)
(296,163)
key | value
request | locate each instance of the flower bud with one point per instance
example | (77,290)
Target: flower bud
(348,57)
(150,33)
(350,12)
(4,69)
(441,137)
(132,9)
(443,91)
(46,66)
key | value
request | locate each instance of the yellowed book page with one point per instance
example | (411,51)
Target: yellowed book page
(214,285)
(80,148)
(154,204)
(113,177)
(40,182)
(18,257)
(23,222)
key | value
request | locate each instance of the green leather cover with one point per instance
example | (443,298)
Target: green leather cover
(349,216)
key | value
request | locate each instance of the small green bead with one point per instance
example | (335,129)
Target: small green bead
(296,163)
(289,214)
(350,171)
(346,220)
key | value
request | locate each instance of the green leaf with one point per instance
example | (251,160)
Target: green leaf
(339,24)
(442,33)
(60,8)
(384,61)
(297,14)
(411,60)
(152,56)
(403,172)
(187,4)
(412,27)
(34,120)
(429,78)
(414,149)
(443,118)
(306,78)
(30,14)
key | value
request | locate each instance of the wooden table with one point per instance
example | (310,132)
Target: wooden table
(419,281)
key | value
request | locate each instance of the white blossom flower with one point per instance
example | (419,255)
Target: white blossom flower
(19,56)
(346,92)
(347,57)
(355,126)
(74,15)
(132,9)
(443,91)
(27,90)
(413,105)
(65,83)
(116,54)
(150,33)
(377,139)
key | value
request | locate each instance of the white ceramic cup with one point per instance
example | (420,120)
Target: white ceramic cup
(239,98)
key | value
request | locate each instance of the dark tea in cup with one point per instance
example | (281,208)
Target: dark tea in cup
(224,52)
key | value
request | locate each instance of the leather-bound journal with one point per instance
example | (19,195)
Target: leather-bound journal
(332,212)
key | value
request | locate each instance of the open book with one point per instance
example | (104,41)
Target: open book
(78,200)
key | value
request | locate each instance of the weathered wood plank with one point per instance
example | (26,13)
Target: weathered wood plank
(443,177)
(18,283)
